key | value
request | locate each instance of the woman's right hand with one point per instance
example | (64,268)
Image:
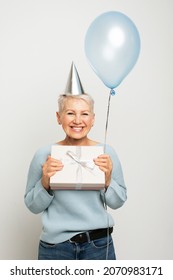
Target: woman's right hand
(50,167)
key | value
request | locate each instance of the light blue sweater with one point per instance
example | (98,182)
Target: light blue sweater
(66,213)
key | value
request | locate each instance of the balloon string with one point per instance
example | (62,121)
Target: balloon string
(107,120)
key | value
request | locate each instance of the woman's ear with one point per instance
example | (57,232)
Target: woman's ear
(93,120)
(58,117)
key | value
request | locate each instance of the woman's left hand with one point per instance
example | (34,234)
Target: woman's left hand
(104,162)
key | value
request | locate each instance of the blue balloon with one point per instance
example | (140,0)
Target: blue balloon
(112,46)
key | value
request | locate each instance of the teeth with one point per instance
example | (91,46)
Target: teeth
(77,128)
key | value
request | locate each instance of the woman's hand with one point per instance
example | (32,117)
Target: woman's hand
(50,167)
(104,162)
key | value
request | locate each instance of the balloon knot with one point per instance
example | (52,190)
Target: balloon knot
(113,92)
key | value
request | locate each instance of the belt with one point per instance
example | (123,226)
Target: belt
(91,235)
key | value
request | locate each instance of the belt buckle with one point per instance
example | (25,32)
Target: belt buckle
(79,236)
(71,241)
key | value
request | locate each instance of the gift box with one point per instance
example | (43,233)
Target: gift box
(79,171)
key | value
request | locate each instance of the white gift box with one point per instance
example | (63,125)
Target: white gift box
(79,171)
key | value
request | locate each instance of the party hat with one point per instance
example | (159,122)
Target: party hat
(74,86)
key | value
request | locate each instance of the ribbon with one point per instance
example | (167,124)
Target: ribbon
(76,159)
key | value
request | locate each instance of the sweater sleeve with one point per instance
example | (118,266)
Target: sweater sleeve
(116,193)
(37,198)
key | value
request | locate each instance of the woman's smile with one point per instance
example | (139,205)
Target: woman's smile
(77,128)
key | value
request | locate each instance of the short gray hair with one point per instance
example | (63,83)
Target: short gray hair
(86,97)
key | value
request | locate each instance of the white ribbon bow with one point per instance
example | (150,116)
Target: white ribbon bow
(84,163)
(87,164)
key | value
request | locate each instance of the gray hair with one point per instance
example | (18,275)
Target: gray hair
(86,97)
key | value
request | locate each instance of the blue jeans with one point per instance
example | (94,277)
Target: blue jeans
(99,249)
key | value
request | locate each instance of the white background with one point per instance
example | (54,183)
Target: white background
(38,41)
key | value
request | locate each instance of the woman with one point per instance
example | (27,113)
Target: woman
(76,224)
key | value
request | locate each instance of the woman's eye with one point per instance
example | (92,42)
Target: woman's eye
(85,114)
(69,113)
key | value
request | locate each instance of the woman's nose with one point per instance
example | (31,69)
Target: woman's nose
(77,119)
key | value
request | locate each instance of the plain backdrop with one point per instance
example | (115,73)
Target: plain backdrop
(38,41)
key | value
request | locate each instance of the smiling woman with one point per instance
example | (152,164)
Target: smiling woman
(76,224)
(76,118)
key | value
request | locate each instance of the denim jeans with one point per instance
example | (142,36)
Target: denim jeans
(99,249)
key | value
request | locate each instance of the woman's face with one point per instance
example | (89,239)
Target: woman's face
(76,118)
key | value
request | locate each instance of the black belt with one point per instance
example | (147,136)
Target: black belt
(91,235)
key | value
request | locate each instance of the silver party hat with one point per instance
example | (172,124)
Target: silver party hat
(74,86)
